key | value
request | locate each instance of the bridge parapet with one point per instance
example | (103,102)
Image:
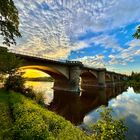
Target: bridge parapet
(32,54)
(43,57)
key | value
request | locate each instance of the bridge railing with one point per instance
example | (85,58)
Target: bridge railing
(43,57)
(33,55)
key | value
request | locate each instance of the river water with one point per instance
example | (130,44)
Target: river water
(81,110)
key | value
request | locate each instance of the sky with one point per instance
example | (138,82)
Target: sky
(96,32)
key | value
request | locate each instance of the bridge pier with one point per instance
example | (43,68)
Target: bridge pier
(74,77)
(71,84)
(112,80)
(101,79)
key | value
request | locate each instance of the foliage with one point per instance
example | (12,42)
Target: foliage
(134,79)
(137,33)
(108,128)
(34,122)
(9,63)
(5,119)
(9,22)
(46,79)
(37,96)
(15,82)
(22,118)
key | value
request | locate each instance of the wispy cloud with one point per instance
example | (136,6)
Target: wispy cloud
(126,55)
(52,28)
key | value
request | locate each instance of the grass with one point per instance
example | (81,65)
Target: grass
(5,118)
(23,119)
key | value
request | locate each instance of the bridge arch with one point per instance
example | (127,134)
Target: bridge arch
(54,73)
(61,81)
(88,78)
(107,77)
(115,78)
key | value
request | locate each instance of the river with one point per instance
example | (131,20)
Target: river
(81,110)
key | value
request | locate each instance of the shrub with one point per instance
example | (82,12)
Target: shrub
(34,122)
(5,119)
(39,98)
(108,128)
(28,92)
(15,82)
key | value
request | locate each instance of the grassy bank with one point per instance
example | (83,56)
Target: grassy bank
(5,116)
(22,118)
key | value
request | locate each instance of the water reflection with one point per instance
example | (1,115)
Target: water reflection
(136,89)
(81,109)
(44,87)
(125,105)
(74,108)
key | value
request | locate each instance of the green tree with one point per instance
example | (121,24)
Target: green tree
(108,128)
(9,22)
(9,63)
(137,33)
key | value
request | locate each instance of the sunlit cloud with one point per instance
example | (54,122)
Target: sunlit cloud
(52,28)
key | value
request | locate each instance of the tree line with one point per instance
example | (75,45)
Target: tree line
(134,78)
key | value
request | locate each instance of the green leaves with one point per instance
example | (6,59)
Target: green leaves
(9,22)
(31,121)
(9,63)
(108,128)
(137,33)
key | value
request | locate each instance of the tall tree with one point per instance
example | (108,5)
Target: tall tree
(137,33)
(9,22)
(9,63)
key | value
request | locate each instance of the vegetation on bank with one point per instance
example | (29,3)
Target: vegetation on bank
(22,118)
(134,79)
(43,79)
(108,128)
(5,116)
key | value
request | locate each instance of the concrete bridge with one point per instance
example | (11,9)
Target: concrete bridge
(70,75)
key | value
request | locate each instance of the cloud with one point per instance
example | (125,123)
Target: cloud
(75,17)
(92,61)
(124,105)
(106,41)
(52,27)
(126,55)
(128,102)
(50,49)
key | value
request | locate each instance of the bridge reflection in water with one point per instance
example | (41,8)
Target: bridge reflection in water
(74,108)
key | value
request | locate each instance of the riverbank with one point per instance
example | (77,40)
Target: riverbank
(22,118)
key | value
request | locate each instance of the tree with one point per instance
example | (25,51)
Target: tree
(9,22)
(9,63)
(108,128)
(137,33)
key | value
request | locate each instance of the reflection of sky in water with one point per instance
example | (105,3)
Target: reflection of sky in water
(125,105)
(44,87)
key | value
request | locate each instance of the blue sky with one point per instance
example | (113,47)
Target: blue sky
(96,32)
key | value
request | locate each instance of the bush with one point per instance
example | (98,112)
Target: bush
(108,128)
(5,119)
(15,82)
(34,122)
(39,98)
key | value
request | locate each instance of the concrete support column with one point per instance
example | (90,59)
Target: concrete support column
(72,83)
(112,80)
(74,78)
(119,78)
(101,79)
